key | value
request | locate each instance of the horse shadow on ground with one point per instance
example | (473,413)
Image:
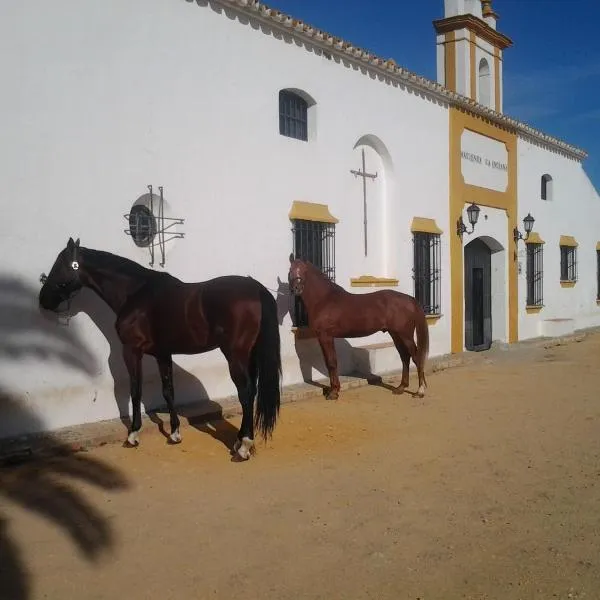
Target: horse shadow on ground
(44,486)
(191,398)
(352,361)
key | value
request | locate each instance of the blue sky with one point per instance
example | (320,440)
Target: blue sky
(551,73)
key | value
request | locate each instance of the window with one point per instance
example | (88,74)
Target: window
(313,241)
(426,271)
(568,263)
(142,225)
(546,191)
(485,92)
(293,115)
(598,273)
(535,274)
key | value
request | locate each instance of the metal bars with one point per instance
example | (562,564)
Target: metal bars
(426,271)
(293,116)
(313,241)
(568,263)
(535,274)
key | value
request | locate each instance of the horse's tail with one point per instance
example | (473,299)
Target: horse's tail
(422,340)
(268,362)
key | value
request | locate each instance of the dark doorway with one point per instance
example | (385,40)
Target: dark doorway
(478,296)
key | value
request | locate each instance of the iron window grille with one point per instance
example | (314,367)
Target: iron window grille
(293,116)
(535,274)
(313,241)
(142,225)
(427,272)
(568,263)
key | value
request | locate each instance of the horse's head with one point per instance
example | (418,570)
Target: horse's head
(64,281)
(297,275)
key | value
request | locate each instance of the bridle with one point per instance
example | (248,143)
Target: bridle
(66,289)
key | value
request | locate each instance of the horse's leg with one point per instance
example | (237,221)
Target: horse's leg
(328,347)
(165,366)
(243,373)
(405,357)
(133,362)
(412,348)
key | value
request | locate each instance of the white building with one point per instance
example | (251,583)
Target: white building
(255,125)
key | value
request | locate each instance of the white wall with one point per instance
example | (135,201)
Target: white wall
(102,98)
(574,210)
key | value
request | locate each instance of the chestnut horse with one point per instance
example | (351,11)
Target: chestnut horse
(160,315)
(335,313)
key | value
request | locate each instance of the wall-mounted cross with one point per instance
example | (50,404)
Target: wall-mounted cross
(364,176)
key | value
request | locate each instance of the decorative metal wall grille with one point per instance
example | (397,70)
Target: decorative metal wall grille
(149,228)
(313,241)
(535,274)
(293,116)
(568,263)
(426,271)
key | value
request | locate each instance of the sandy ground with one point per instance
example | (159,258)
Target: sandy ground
(487,488)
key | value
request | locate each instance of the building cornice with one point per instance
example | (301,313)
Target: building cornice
(472,23)
(388,67)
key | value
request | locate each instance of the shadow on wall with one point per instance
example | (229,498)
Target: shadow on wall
(44,487)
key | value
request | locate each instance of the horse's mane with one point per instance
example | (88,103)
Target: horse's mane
(103,259)
(319,274)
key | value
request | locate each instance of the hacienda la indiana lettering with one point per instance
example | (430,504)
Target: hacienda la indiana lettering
(476,158)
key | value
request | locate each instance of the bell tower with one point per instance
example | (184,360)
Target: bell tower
(470,50)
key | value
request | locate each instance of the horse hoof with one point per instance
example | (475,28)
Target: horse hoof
(243,448)
(133,439)
(398,390)
(332,396)
(175,437)
(421,392)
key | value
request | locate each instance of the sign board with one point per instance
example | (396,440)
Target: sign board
(484,161)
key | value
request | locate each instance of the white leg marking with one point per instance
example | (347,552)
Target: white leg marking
(176,436)
(421,391)
(244,447)
(134,438)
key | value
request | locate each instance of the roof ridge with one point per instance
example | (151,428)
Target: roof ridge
(391,68)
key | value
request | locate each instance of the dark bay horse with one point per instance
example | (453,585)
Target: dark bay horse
(160,315)
(335,313)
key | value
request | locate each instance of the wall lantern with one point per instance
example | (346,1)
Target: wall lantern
(473,214)
(528,222)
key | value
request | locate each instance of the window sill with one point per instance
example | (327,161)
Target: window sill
(433,319)
(567,284)
(303,333)
(533,309)
(370,281)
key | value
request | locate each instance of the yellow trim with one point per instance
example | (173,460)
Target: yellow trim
(432,319)
(311,211)
(370,281)
(424,225)
(568,240)
(450,62)
(462,193)
(533,310)
(497,85)
(567,284)
(472,52)
(534,238)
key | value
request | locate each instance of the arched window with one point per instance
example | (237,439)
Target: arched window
(546,192)
(293,115)
(485,94)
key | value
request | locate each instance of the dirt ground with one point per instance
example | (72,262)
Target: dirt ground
(489,487)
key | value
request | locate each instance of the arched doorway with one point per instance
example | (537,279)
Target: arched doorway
(478,295)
